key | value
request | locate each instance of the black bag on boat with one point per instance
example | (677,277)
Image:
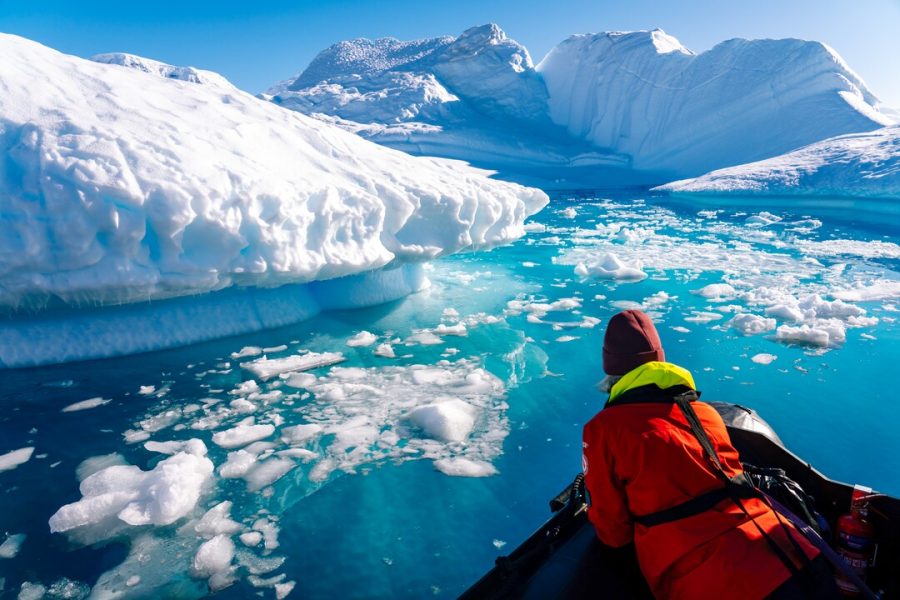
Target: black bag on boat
(778,485)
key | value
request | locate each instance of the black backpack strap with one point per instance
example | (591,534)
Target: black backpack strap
(735,485)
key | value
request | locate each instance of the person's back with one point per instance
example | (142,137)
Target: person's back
(642,459)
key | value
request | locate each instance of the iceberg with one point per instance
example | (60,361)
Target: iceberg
(476,97)
(633,107)
(140,209)
(860,165)
(645,95)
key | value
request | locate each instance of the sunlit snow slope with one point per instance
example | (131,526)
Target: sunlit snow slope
(855,165)
(644,94)
(122,186)
(637,102)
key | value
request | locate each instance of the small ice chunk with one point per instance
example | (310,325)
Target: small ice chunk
(610,266)
(300,380)
(31,591)
(242,435)
(267,472)
(251,538)
(567,338)
(190,446)
(283,589)
(569,212)
(86,404)
(300,433)
(265,368)
(785,312)
(702,317)
(425,338)
(750,324)
(763,358)
(160,496)
(499,544)
(242,406)
(681,329)
(385,350)
(237,465)
(146,390)
(825,334)
(716,292)
(217,521)
(464,467)
(13,459)
(247,351)
(450,420)
(133,581)
(762,219)
(272,349)
(213,556)
(458,329)
(269,531)
(363,338)
(11,545)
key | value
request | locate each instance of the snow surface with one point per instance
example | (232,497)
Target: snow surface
(863,165)
(161,69)
(126,196)
(606,103)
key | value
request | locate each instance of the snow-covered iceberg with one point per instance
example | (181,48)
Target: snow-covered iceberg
(122,186)
(862,165)
(476,97)
(634,106)
(672,111)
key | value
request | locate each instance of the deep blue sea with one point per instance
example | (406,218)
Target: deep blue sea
(368,509)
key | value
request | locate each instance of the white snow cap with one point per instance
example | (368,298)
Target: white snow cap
(144,200)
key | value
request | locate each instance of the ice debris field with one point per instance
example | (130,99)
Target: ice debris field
(307,460)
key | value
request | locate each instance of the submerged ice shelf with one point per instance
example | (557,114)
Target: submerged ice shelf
(467,395)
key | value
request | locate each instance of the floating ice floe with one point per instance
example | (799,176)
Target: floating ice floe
(363,338)
(11,545)
(750,324)
(160,496)
(610,266)
(13,459)
(763,358)
(87,404)
(267,368)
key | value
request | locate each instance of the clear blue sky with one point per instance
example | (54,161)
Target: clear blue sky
(256,43)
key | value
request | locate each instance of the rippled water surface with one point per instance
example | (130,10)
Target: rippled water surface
(410,474)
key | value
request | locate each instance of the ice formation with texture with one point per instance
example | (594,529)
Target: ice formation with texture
(131,186)
(862,165)
(635,105)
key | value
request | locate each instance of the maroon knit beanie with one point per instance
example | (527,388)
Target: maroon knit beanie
(630,341)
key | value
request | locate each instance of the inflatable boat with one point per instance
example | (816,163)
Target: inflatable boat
(564,559)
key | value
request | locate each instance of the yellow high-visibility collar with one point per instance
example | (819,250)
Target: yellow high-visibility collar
(663,374)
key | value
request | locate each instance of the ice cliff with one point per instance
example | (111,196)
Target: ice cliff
(638,104)
(121,186)
(864,165)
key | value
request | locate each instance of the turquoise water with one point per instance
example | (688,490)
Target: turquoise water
(382,520)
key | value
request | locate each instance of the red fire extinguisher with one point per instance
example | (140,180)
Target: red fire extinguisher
(856,539)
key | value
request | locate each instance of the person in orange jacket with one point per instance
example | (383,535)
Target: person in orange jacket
(650,483)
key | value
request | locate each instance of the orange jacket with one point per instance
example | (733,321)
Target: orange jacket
(642,458)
